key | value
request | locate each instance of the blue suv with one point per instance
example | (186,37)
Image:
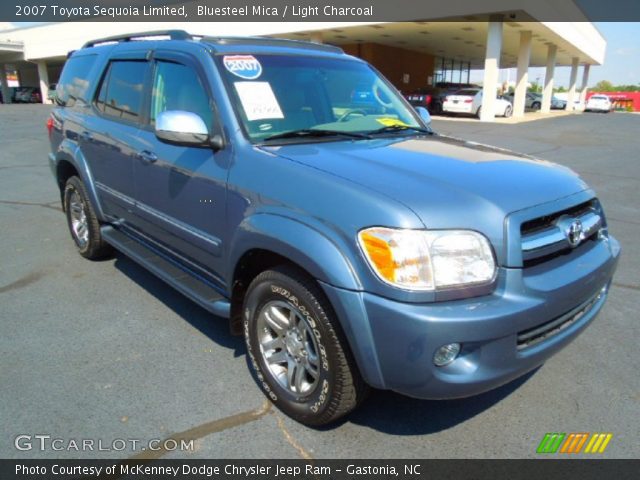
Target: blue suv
(290,188)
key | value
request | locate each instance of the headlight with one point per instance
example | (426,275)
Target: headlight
(428,260)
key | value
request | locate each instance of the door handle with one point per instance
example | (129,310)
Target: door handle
(147,156)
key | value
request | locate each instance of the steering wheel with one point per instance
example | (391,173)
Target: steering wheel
(353,111)
(376,93)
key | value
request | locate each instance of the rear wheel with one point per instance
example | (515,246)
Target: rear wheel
(297,350)
(479,112)
(83,222)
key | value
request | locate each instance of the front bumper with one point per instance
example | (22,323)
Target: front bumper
(394,342)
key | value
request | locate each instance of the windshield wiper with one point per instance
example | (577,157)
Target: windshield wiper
(311,132)
(400,128)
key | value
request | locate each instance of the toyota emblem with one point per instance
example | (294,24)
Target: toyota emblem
(574,233)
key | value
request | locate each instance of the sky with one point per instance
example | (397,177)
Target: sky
(621,65)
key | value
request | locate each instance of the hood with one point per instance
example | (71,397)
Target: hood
(447,182)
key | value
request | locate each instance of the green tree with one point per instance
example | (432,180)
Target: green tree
(604,86)
(535,87)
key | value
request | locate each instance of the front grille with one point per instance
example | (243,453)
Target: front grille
(532,336)
(544,238)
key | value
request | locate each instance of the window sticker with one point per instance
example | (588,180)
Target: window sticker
(258,100)
(391,122)
(243,66)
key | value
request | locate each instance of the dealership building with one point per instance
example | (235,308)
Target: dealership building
(485,35)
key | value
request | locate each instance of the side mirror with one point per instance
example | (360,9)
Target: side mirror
(183,128)
(424,115)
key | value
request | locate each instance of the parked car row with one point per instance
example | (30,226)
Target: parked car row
(468,100)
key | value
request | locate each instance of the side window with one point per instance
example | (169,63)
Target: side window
(178,87)
(74,81)
(121,91)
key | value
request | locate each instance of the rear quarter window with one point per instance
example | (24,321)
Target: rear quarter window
(74,81)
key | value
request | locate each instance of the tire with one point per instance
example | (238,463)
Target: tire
(297,350)
(478,112)
(82,221)
(508,111)
(536,106)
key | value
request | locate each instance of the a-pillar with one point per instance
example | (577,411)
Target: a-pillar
(491,68)
(547,93)
(524,55)
(44,80)
(571,96)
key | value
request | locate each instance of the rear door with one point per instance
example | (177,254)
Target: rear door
(181,190)
(109,137)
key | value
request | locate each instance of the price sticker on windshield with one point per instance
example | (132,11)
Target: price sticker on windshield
(258,100)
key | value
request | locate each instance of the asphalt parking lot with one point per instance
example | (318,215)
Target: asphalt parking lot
(105,351)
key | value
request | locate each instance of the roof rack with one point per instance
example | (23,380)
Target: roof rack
(269,41)
(172,34)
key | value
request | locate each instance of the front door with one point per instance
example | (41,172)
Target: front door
(180,190)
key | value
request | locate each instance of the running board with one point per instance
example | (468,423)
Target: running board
(179,277)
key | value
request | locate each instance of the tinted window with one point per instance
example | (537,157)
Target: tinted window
(74,82)
(122,89)
(178,87)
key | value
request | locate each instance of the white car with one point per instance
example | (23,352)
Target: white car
(598,103)
(469,100)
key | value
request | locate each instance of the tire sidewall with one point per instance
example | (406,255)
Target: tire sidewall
(279,287)
(73,185)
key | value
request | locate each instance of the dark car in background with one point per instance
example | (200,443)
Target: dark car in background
(27,95)
(427,97)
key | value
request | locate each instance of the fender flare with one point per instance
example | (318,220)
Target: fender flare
(70,152)
(304,245)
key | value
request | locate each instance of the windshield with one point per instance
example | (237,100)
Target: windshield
(276,94)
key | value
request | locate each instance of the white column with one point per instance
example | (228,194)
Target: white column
(316,37)
(547,93)
(522,79)
(491,67)
(572,84)
(44,80)
(585,81)
(6,93)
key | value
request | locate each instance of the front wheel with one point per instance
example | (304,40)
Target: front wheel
(535,106)
(508,111)
(297,350)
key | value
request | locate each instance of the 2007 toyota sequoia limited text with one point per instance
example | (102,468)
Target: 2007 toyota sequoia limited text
(290,188)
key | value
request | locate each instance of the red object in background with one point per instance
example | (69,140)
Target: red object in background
(49,125)
(621,99)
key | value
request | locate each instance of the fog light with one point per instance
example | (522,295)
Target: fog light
(446,354)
